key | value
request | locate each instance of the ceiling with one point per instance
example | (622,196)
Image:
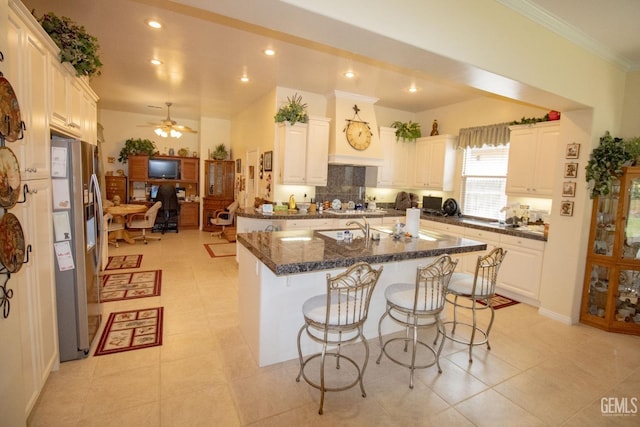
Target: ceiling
(205,53)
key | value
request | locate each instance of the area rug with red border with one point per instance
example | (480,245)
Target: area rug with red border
(120,262)
(131,330)
(500,301)
(220,249)
(139,284)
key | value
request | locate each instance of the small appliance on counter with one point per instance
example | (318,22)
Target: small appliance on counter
(450,207)
(432,205)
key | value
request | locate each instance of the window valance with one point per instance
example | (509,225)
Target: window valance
(476,137)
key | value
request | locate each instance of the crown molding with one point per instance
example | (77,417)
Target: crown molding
(541,16)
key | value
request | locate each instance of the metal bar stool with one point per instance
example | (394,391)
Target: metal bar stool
(336,318)
(417,306)
(476,291)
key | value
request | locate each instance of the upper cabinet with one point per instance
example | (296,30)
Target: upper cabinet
(532,159)
(395,170)
(434,162)
(29,55)
(72,103)
(427,163)
(303,151)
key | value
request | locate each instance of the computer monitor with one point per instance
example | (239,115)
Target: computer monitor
(432,205)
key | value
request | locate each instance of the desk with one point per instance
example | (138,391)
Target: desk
(119,213)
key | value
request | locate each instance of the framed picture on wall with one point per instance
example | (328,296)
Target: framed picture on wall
(573,151)
(570,170)
(566,208)
(238,166)
(569,189)
(268,158)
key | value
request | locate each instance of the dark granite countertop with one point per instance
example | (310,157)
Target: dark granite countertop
(462,221)
(299,251)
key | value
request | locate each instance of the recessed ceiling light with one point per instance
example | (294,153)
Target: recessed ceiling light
(413,89)
(269,52)
(154,24)
(156,62)
(244,79)
(349,74)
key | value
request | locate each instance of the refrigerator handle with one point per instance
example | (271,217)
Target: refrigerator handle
(97,197)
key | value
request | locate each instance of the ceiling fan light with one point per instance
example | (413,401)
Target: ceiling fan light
(175,133)
(158,131)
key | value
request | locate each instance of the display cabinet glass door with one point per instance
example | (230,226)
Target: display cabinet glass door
(216,180)
(631,241)
(605,227)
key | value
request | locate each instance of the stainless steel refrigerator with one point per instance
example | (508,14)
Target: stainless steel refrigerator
(77,223)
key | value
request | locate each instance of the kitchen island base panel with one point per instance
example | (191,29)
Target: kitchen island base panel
(270,306)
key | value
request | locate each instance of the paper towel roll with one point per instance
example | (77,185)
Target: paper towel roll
(413,221)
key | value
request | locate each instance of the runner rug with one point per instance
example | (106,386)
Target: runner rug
(131,330)
(139,284)
(121,262)
(220,249)
(500,301)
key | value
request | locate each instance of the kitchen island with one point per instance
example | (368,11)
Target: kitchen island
(278,271)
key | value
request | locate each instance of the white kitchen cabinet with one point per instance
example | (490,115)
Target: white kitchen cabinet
(28,73)
(532,159)
(395,170)
(434,162)
(522,267)
(309,224)
(66,99)
(303,151)
(468,264)
(317,159)
(36,284)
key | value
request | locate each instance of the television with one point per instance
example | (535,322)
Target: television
(164,169)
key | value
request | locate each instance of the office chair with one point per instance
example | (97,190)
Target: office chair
(224,217)
(168,217)
(144,221)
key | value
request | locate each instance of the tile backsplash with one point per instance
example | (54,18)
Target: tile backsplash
(345,183)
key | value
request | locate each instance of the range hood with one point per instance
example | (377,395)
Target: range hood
(340,109)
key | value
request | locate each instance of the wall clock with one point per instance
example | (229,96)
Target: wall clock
(358,132)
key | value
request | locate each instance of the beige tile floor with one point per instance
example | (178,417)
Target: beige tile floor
(538,372)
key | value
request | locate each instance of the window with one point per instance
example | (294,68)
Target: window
(484,178)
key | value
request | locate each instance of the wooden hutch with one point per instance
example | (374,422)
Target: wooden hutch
(219,179)
(188,179)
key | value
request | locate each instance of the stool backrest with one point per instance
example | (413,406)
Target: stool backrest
(349,294)
(486,276)
(432,282)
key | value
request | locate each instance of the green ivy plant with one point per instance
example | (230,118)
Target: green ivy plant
(605,165)
(632,146)
(293,111)
(407,131)
(135,147)
(76,46)
(530,120)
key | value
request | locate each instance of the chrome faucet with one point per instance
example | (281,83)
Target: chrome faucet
(364,227)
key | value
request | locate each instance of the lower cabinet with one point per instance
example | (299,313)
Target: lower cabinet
(35,284)
(189,215)
(521,270)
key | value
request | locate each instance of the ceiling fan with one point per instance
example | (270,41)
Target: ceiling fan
(170,128)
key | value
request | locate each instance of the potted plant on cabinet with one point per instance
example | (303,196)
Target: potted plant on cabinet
(76,46)
(135,147)
(605,165)
(407,131)
(220,152)
(293,111)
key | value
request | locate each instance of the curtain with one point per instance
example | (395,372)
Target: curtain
(476,137)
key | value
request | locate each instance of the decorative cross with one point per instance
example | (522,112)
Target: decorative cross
(356,109)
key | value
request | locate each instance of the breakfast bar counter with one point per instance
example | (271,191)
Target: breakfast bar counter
(278,271)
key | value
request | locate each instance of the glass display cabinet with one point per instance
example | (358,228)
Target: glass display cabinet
(612,277)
